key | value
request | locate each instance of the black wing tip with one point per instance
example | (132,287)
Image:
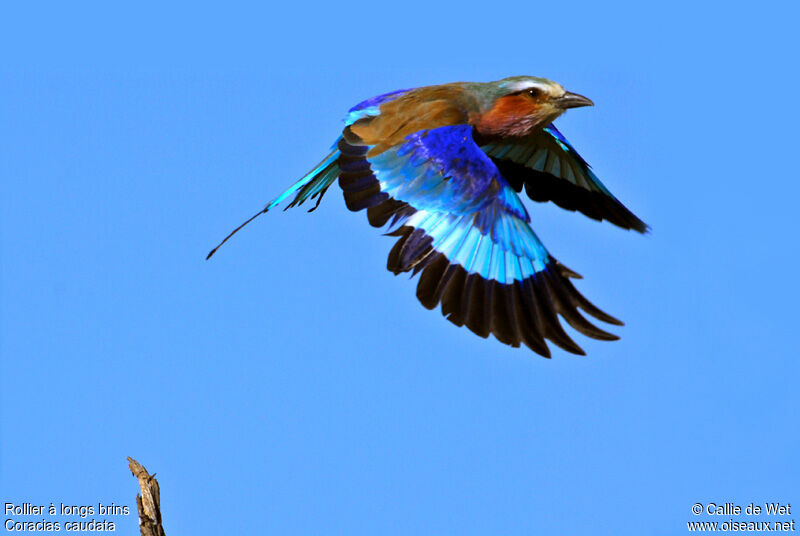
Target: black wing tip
(639,226)
(523,313)
(542,187)
(618,215)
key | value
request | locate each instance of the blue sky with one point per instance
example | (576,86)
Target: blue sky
(292,385)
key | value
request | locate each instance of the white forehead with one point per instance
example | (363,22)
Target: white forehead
(546,86)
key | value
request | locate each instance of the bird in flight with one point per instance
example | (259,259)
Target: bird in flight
(441,167)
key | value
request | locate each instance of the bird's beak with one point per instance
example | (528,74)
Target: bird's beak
(572,100)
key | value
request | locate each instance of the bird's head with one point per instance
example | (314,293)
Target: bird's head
(520,105)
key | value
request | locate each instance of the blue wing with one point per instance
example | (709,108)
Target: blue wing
(550,169)
(462,225)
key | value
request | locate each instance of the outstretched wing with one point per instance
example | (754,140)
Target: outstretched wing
(551,169)
(461,225)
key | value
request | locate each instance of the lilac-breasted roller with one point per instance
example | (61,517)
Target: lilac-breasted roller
(442,167)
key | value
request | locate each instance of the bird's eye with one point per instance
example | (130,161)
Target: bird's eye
(534,92)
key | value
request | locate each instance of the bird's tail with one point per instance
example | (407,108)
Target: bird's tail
(314,184)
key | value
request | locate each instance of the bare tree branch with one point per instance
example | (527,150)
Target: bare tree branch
(149,502)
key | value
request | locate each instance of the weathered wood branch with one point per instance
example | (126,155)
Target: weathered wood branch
(149,502)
